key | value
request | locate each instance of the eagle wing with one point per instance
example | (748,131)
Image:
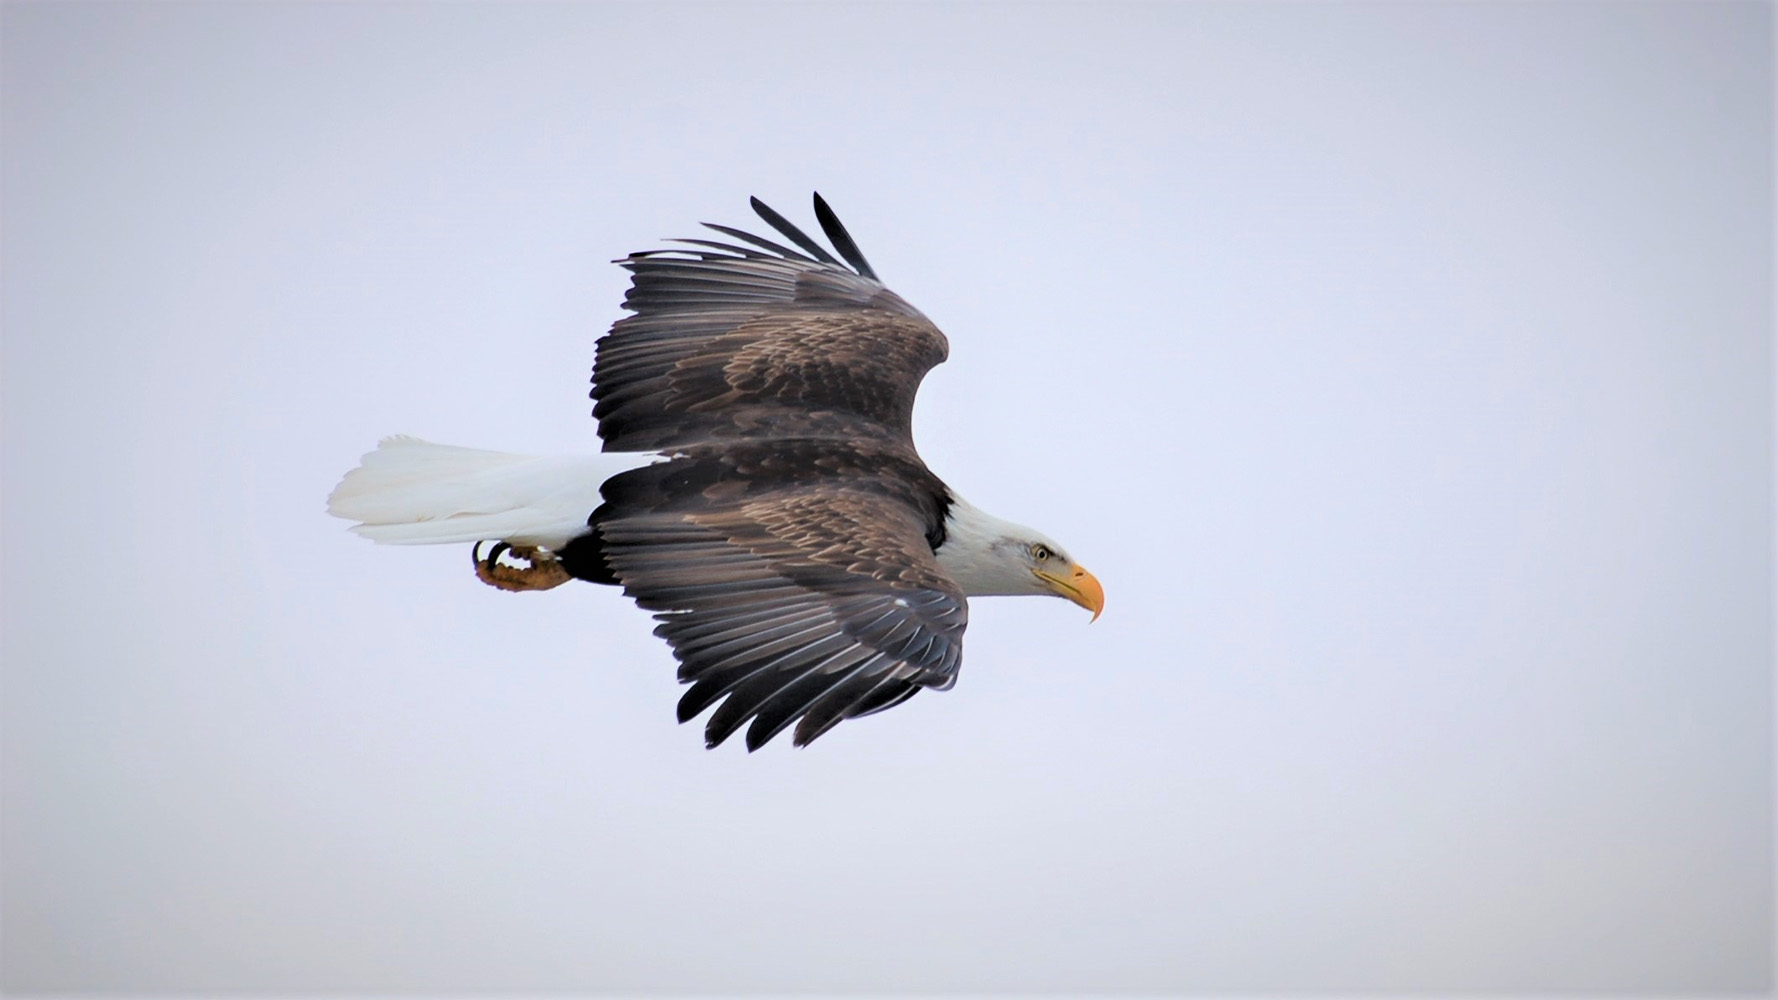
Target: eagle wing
(753,340)
(787,544)
(822,603)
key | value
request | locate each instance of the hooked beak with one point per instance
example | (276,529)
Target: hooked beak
(1078,586)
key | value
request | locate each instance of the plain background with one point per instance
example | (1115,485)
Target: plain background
(1402,370)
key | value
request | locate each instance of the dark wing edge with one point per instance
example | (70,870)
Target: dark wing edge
(818,606)
(791,232)
(830,224)
(842,240)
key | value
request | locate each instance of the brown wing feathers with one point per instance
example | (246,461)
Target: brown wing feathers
(815,603)
(787,545)
(838,344)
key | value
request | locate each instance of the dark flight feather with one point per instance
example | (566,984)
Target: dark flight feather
(792,233)
(761,242)
(841,240)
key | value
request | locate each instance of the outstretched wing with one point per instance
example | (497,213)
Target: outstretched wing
(822,603)
(753,340)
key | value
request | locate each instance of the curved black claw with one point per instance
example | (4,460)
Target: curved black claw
(541,572)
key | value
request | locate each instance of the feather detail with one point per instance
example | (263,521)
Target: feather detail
(414,492)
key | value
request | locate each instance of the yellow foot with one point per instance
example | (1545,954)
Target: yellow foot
(542,573)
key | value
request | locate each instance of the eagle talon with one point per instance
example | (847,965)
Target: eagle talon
(543,573)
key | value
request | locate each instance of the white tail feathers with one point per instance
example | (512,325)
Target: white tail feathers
(414,492)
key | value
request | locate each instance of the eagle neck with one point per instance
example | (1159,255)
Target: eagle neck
(984,553)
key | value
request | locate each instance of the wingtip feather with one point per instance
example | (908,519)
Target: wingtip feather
(841,239)
(790,232)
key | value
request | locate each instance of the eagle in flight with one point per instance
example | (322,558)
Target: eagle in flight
(759,489)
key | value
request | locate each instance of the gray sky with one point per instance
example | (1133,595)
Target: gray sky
(1402,370)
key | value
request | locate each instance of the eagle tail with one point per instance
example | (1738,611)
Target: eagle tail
(414,492)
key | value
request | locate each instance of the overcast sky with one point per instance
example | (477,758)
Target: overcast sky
(1403,371)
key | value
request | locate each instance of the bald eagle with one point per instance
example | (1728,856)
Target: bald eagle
(767,503)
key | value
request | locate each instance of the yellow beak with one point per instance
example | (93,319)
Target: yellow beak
(1078,586)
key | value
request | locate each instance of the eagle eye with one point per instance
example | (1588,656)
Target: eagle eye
(1041,552)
